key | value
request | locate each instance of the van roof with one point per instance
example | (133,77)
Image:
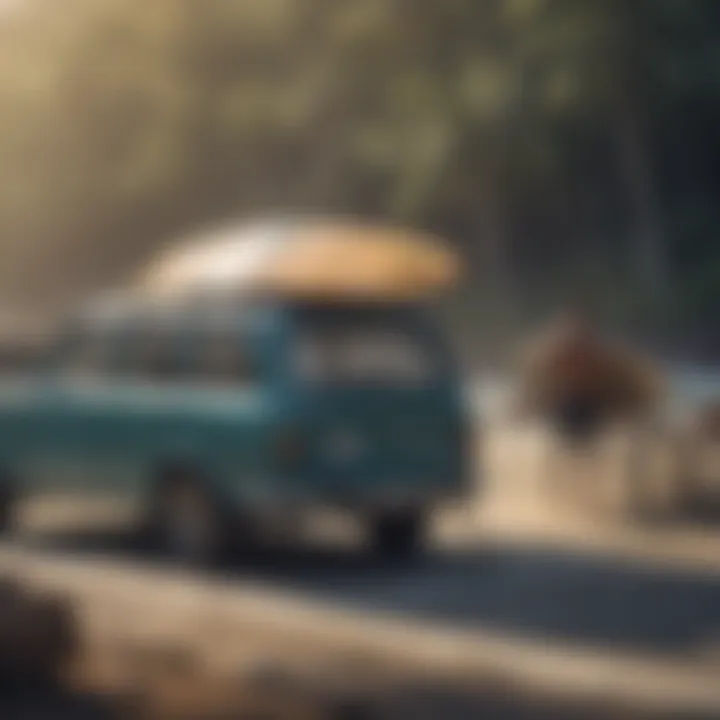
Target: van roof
(304,259)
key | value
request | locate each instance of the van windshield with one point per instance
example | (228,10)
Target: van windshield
(351,345)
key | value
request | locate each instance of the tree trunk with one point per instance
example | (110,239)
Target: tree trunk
(649,247)
(495,250)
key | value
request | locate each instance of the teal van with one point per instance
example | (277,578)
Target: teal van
(213,417)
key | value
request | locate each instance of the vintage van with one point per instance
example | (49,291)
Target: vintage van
(214,401)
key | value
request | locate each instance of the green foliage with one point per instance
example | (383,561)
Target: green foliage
(559,142)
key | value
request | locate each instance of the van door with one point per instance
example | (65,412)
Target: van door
(100,419)
(148,371)
(67,435)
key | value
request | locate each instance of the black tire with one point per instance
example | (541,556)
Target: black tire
(185,521)
(400,535)
(7,508)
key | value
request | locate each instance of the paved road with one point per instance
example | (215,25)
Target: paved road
(529,591)
(524,587)
(550,612)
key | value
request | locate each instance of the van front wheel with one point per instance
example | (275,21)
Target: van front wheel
(399,535)
(186,523)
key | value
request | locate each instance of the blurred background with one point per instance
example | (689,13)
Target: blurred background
(568,147)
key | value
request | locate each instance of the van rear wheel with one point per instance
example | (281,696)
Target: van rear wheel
(8,507)
(186,522)
(399,535)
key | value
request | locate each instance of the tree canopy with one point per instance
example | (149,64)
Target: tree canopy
(566,146)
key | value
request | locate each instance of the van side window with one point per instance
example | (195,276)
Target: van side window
(84,352)
(155,354)
(22,354)
(222,357)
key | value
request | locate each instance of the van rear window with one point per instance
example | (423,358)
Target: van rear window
(355,346)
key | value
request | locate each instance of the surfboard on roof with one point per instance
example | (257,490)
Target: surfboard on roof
(325,258)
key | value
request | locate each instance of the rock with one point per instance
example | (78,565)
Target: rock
(38,633)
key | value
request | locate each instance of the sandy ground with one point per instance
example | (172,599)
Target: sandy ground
(523,609)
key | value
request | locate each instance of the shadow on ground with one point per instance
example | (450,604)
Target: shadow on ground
(42,701)
(702,511)
(201,699)
(532,591)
